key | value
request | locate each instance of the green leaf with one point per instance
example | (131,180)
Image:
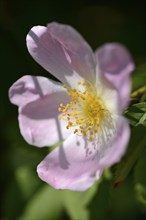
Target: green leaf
(139,77)
(140,180)
(19,191)
(135,150)
(45,204)
(75,203)
(141,193)
(136,114)
(20,153)
(100,202)
(123,203)
(13,201)
(27,188)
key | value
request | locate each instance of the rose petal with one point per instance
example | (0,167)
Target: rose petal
(30,88)
(116,64)
(114,153)
(81,54)
(71,166)
(38,99)
(78,163)
(62,52)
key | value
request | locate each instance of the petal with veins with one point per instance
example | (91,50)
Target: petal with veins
(77,164)
(113,154)
(116,65)
(70,166)
(38,99)
(62,52)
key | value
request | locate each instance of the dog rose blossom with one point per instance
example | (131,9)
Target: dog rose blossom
(83,112)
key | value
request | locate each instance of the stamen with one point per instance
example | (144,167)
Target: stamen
(86,111)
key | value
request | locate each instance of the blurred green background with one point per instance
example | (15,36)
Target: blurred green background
(23,195)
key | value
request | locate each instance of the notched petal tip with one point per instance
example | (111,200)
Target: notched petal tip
(38,99)
(62,51)
(22,91)
(116,66)
(113,58)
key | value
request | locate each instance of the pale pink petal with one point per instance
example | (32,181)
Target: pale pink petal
(71,166)
(30,88)
(116,65)
(114,153)
(62,52)
(78,163)
(79,51)
(38,99)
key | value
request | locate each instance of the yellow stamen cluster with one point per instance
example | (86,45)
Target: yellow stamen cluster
(85,111)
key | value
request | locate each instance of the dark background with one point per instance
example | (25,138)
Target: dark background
(99,22)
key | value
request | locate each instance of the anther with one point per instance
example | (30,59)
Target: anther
(75,131)
(85,110)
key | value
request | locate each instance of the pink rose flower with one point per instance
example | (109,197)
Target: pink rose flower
(83,112)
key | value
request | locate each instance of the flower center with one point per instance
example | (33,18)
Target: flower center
(85,112)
